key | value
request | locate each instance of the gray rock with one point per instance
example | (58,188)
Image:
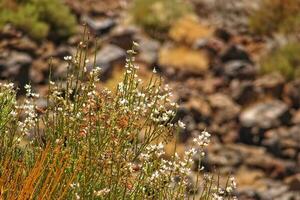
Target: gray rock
(99,26)
(293,182)
(270,85)
(235,52)
(239,69)
(265,115)
(15,66)
(223,107)
(107,57)
(123,36)
(292,93)
(243,92)
(283,142)
(148,50)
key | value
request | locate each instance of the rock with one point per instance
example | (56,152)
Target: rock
(38,71)
(258,158)
(293,182)
(221,156)
(23,44)
(243,92)
(248,194)
(207,85)
(107,57)
(64,50)
(223,34)
(270,85)
(248,179)
(183,59)
(235,52)
(292,93)
(199,109)
(231,14)
(8,32)
(99,26)
(15,66)
(265,115)
(259,117)
(296,117)
(283,142)
(239,69)
(148,50)
(189,30)
(122,36)
(223,107)
(275,191)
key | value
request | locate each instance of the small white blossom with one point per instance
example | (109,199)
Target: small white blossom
(181,124)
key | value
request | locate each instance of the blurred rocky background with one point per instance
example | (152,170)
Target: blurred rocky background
(234,67)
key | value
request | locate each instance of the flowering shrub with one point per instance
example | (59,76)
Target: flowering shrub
(91,143)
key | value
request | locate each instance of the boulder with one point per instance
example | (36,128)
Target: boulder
(243,92)
(199,109)
(148,50)
(235,52)
(239,69)
(99,26)
(293,182)
(223,107)
(283,142)
(270,85)
(122,36)
(292,93)
(107,57)
(265,115)
(15,66)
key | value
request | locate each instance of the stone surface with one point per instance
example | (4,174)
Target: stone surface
(239,69)
(223,107)
(234,52)
(292,93)
(243,92)
(148,50)
(15,66)
(107,57)
(293,182)
(270,85)
(99,26)
(265,115)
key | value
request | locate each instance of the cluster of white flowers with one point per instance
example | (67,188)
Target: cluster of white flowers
(202,140)
(29,92)
(29,109)
(102,192)
(9,86)
(68,58)
(154,150)
(231,185)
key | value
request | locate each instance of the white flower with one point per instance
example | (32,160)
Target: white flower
(68,58)
(154,70)
(102,192)
(181,124)
(135,44)
(203,139)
